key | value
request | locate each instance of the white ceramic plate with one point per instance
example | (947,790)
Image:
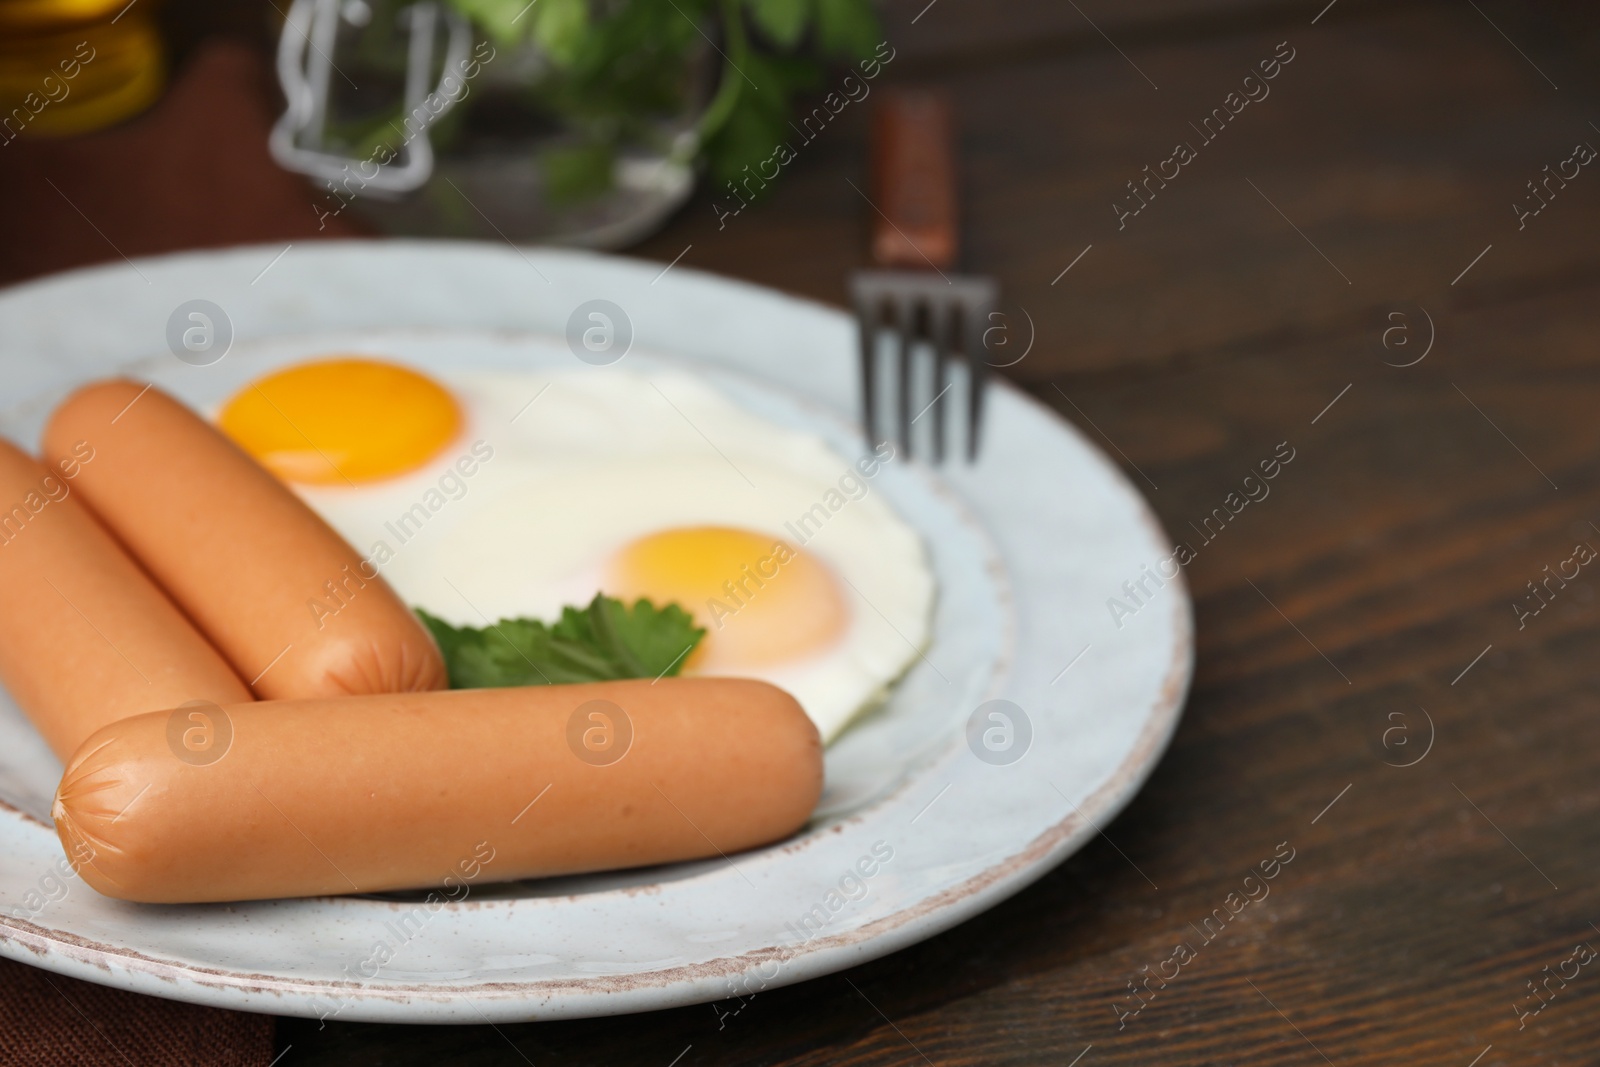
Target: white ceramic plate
(1027,545)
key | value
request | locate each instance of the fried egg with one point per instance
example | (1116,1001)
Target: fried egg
(487,495)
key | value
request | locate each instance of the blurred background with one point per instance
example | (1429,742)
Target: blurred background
(1427,160)
(628,127)
(601,132)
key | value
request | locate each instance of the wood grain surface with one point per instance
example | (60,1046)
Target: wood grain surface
(1361,617)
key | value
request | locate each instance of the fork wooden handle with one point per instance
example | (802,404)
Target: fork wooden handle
(913,181)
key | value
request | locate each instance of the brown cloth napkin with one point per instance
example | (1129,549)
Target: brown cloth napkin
(192,172)
(51,1021)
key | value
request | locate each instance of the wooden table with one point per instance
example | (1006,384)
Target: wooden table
(1341,268)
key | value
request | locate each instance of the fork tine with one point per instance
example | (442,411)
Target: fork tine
(950,318)
(977,374)
(939,333)
(980,304)
(906,324)
(867,315)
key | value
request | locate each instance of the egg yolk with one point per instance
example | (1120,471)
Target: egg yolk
(760,601)
(342,421)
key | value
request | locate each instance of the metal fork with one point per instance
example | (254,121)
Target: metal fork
(918,301)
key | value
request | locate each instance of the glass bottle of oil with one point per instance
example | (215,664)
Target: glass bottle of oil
(71,66)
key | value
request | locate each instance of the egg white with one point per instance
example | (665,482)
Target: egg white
(554,473)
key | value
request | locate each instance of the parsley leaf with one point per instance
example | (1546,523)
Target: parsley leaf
(561,27)
(606,641)
(611,68)
(784,21)
(847,28)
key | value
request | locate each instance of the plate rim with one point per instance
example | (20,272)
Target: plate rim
(78,956)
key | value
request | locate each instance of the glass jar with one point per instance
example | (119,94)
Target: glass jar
(408,115)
